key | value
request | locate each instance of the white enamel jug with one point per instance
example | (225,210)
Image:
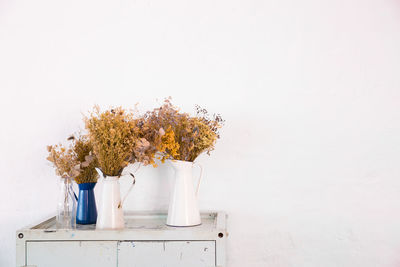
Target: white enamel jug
(110,214)
(183,207)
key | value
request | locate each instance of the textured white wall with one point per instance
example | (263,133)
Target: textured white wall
(308,164)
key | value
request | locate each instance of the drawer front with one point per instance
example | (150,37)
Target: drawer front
(166,254)
(71,253)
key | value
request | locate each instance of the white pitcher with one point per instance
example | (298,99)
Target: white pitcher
(183,207)
(110,214)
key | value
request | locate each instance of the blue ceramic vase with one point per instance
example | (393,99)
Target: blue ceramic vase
(86,212)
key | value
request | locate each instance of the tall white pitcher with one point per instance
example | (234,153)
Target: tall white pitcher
(110,214)
(183,207)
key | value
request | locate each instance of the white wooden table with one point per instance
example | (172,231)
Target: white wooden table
(145,242)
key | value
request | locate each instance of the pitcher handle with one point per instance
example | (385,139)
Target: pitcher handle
(201,175)
(127,193)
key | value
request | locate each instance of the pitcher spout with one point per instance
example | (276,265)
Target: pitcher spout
(101,174)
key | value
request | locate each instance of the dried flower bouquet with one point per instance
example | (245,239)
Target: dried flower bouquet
(179,136)
(87,161)
(114,134)
(75,161)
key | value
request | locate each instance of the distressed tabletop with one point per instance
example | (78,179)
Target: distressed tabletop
(141,221)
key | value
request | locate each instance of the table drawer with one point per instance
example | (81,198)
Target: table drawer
(121,253)
(166,253)
(71,253)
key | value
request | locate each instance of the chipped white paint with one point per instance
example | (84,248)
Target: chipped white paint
(145,241)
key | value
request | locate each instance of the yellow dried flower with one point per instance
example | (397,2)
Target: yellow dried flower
(114,134)
(168,146)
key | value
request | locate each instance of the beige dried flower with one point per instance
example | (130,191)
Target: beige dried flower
(63,160)
(87,161)
(75,161)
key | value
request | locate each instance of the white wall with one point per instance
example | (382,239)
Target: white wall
(308,164)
